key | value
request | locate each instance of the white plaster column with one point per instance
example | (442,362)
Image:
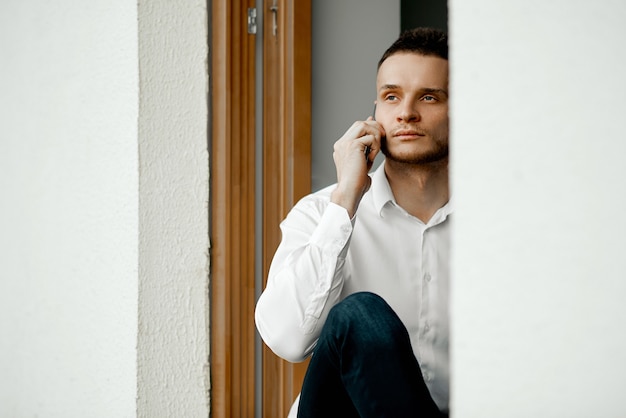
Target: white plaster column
(104,209)
(173,346)
(538,174)
(68,208)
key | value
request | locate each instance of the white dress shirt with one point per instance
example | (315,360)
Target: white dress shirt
(325,256)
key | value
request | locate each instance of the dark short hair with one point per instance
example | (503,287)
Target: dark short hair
(423,41)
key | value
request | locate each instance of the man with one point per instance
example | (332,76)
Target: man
(360,279)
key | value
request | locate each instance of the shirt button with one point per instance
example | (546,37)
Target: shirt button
(426,327)
(427,277)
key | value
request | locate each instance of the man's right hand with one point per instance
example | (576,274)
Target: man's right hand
(353,162)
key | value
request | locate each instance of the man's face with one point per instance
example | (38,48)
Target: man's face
(412,107)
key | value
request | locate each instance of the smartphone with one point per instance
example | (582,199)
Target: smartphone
(382,139)
(368,149)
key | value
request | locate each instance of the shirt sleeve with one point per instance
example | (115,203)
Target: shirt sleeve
(305,277)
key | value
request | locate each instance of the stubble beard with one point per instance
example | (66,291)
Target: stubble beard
(438,153)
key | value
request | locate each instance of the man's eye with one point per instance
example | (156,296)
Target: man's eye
(429,98)
(391,98)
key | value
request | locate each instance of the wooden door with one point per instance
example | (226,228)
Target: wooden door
(286,174)
(286,157)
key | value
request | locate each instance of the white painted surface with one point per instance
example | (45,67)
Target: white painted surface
(539,178)
(68,211)
(173,374)
(349,37)
(104,210)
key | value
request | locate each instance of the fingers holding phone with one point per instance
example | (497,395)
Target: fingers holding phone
(354,155)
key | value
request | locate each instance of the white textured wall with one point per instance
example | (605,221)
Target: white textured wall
(539,178)
(68,208)
(173,209)
(104,213)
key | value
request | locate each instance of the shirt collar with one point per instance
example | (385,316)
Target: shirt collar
(442,214)
(382,194)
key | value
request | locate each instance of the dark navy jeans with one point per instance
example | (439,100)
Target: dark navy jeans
(363,366)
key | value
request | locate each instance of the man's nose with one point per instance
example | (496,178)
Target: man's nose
(408,112)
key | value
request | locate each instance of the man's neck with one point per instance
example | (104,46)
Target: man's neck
(422,189)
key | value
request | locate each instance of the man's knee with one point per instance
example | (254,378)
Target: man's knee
(364,314)
(358,307)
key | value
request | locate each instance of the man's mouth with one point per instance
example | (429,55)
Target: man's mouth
(408,133)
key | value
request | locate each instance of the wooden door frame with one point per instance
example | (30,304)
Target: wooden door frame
(286,174)
(232,192)
(287,159)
